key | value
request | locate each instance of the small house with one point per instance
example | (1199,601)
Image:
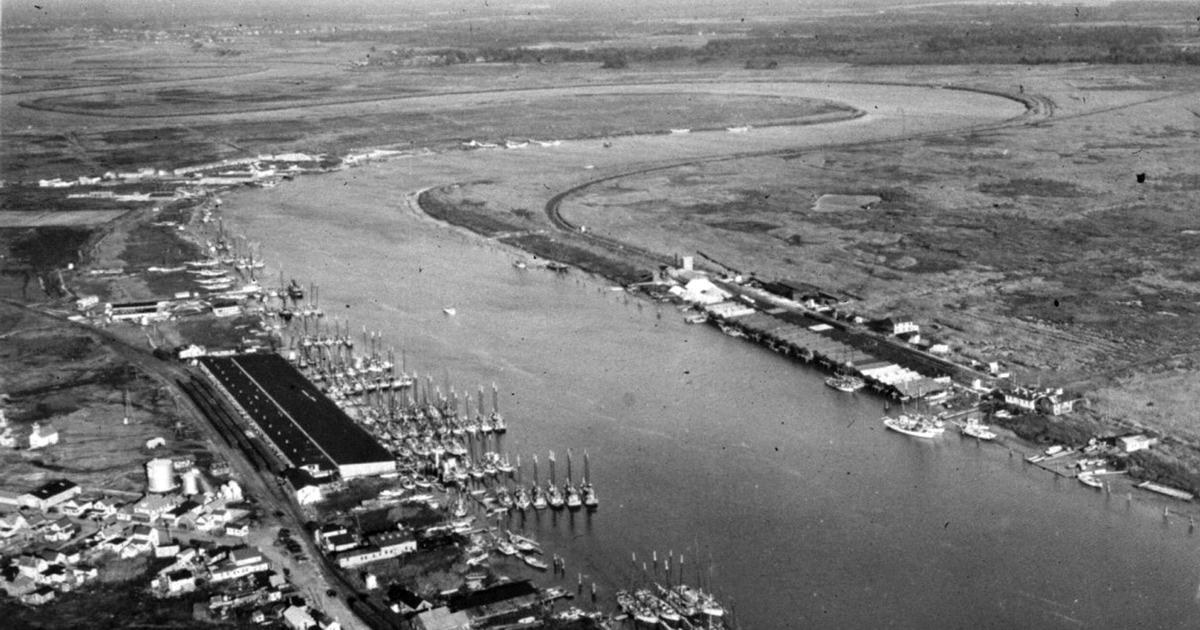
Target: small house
(1133,443)
(38,597)
(898,325)
(43,435)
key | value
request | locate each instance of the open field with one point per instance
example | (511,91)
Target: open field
(1052,229)
(73,218)
(70,379)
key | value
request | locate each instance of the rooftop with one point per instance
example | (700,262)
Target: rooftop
(52,488)
(294,413)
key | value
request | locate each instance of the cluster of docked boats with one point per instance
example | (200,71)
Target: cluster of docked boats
(678,606)
(926,426)
(526,548)
(551,496)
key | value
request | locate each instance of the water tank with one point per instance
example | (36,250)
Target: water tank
(191,482)
(160,476)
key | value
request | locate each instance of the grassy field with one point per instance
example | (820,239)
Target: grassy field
(69,379)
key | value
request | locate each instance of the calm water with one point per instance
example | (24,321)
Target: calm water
(787,497)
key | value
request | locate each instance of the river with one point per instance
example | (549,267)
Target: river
(787,498)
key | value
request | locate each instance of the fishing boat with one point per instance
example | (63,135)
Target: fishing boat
(635,609)
(731,331)
(676,602)
(845,383)
(522,501)
(590,500)
(702,601)
(523,544)
(660,608)
(1089,479)
(539,498)
(554,497)
(914,425)
(535,562)
(975,429)
(574,500)
(505,547)
(505,466)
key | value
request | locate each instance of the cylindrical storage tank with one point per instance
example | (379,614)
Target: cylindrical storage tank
(160,476)
(191,482)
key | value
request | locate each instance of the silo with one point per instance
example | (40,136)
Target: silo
(191,482)
(160,476)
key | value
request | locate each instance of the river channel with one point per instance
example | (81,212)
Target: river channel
(783,496)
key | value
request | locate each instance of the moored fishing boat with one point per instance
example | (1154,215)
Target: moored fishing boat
(702,601)
(975,429)
(554,497)
(574,501)
(845,383)
(539,499)
(535,562)
(522,501)
(914,425)
(1089,479)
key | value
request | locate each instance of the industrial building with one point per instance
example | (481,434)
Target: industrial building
(303,427)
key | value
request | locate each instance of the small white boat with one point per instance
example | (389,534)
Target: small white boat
(450,310)
(978,431)
(681,131)
(1089,479)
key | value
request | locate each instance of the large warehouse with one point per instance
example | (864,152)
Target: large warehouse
(302,425)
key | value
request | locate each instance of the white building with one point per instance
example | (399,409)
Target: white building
(42,436)
(241,562)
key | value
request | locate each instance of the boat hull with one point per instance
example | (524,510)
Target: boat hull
(926,433)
